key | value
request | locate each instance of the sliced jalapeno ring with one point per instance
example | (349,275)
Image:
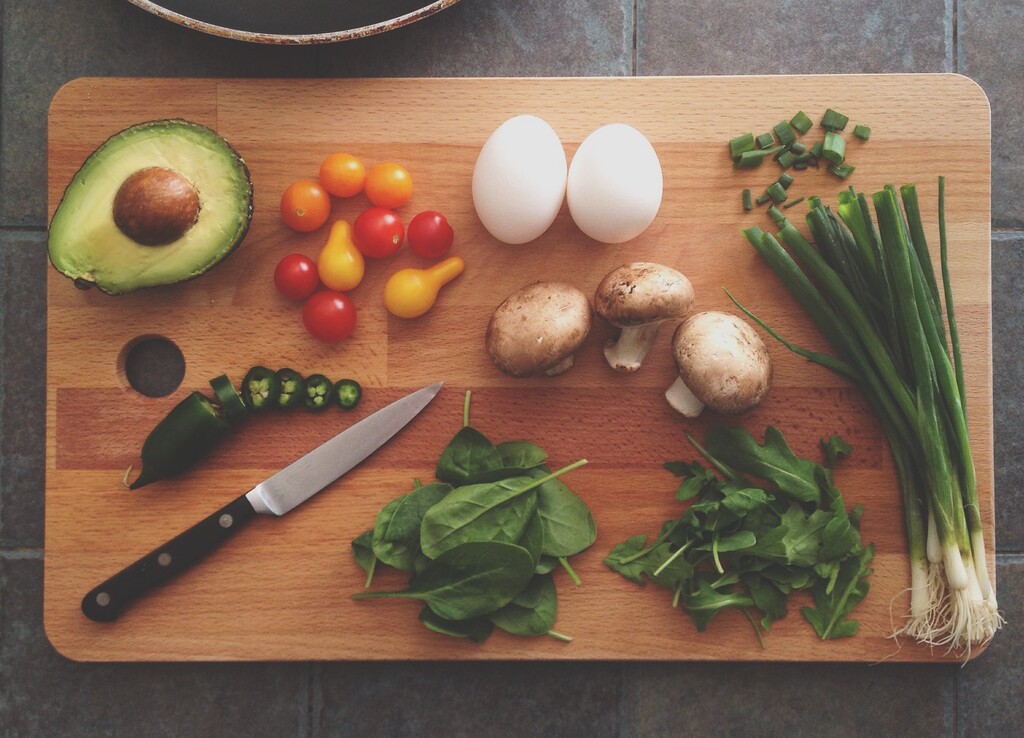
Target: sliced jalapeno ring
(260,388)
(319,390)
(293,388)
(228,397)
(348,393)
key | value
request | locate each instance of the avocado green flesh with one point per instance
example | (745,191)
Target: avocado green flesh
(85,244)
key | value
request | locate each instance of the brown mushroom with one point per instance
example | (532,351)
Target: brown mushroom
(637,298)
(538,329)
(723,364)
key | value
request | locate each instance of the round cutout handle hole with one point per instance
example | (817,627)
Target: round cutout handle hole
(152,365)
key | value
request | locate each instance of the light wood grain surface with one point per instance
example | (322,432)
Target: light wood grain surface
(280,590)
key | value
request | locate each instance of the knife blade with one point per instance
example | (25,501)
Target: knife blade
(276,495)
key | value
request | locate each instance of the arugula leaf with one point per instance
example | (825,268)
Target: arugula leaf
(623,559)
(836,449)
(767,597)
(695,478)
(773,461)
(830,614)
(704,604)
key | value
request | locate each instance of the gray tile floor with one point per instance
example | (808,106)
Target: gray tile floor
(48,42)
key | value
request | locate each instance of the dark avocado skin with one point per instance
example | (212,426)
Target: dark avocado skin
(243,205)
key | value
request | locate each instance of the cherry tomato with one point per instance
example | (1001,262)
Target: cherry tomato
(388,185)
(342,175)
(430,235)
(378,233)
(305,205)
(296,277)
(329,316)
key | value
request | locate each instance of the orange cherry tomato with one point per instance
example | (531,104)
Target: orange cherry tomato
(305,205)
(388,185)
(342,175)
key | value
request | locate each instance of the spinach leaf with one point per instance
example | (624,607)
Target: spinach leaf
(467,581)
(468,454)
(396,533)
(533,539)
(497,511)
(476,629)
(568,524)
(362,549)
(532,612)
(521,454)
(546,565)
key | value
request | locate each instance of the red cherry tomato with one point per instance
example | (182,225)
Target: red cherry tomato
(430,234)
(378,232)
(329,316)
(296,277)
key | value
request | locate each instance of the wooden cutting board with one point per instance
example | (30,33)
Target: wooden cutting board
(281,589)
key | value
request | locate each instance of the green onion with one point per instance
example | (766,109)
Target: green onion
(843,170)
(785,133)
(762,199)
(753,158)
(833,120)
(776,192)
(862,131)
(791,203)
(776,214)
(869,287)
(834,147)
(785,180)
(765,140)
(740,144)
(801,122)
(817,149)
(798,148)
(747,203)
(786,159)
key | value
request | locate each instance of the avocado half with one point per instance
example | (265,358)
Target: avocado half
(157,203)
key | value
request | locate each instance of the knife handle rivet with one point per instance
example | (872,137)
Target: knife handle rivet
(164,559)
(103,599)
(226,521)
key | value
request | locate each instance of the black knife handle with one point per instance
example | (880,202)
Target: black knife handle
(105,602)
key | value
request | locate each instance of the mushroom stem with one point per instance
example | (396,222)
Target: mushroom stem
(627,352)
(563,366)
(683,400)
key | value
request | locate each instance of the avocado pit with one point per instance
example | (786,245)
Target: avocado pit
(156,206)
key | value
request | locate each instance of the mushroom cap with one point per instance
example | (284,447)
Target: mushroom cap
(722,360)
(643,292)
(537,327)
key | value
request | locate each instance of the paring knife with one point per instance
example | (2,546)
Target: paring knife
(279,494)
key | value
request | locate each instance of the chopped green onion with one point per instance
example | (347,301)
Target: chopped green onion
(785,132)
(762,199)
(777,215)
(786,159)
(814,202)
(834,148)
(799,165)
(797,147)
(862,131)
(791,203)
(817,149)
(776,192)
(740,144)
(785,180)
(843,170)
(833,120)
(747,202)
(765,140)
(753,158)
(802,122)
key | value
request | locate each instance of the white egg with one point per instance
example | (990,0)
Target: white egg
(615,184)
(519,179)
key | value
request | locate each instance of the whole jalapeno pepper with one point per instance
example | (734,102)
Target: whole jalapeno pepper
(347,393)
(186,434)
(260,388)
(293,388)
(319,390)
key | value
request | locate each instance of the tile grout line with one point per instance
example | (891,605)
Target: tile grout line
(636,35)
